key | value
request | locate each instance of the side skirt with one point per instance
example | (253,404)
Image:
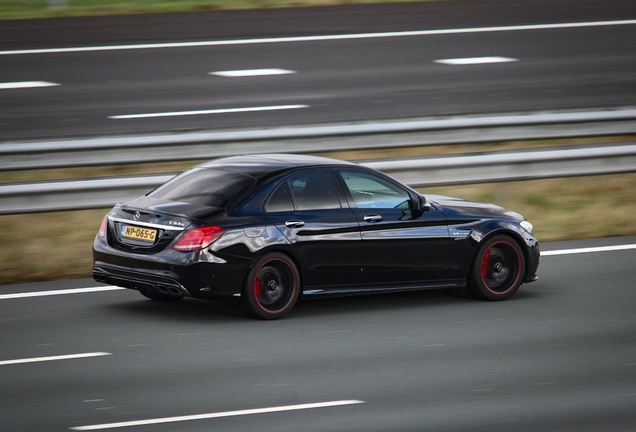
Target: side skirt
(364,290)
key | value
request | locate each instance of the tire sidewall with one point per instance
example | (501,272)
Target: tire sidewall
(249,299)
(476,282)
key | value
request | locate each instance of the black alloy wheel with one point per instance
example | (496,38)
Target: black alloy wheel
(498,268)
(272,287)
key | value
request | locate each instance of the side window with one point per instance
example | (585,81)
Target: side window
(280,201)
(314,191)
(370,191)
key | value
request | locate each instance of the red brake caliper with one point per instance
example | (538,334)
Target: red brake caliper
(257,287)
(484,264)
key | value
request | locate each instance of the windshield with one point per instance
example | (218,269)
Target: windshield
(205,186)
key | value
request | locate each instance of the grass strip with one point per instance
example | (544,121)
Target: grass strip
(23,9)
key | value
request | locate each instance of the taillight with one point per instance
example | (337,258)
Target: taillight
(103,228)
(198,238)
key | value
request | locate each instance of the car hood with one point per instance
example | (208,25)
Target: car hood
(471,208)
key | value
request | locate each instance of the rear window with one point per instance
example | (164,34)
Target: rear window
(206,187)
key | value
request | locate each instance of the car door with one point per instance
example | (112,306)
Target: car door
(308,209)
(402,244)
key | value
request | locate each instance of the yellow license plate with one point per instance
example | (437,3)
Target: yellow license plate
(138,233)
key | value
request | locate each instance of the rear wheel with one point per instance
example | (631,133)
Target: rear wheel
(272,287)
(497,270)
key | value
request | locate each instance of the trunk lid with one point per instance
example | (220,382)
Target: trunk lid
(149,225)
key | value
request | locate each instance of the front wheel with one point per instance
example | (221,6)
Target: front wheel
(498,268)
(271,288)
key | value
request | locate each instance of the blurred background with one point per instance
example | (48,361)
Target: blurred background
(529,104)
(130,74)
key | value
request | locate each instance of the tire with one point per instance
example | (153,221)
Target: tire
(497,270)
(272,287)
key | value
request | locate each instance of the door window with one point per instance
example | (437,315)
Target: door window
(369,191)
(310,191)
(280,201)
(314,191)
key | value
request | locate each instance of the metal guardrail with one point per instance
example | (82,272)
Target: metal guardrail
(437,171)
(492,167)
(74,194)
(312,139)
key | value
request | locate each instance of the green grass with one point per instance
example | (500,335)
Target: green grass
(53,246)
(19,9)
(567,208)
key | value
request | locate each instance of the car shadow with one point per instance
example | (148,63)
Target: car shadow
(385,301)
(209,311)
(398,302)
(186,310)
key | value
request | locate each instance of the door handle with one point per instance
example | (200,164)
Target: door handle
(294,224)
(373,218)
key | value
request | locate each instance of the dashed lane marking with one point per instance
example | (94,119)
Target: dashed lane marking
(219,415)
(475,60)
(208,112)
(252,73)
(26,84)
(53,358)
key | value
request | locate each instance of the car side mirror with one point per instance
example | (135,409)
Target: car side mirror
(420,204)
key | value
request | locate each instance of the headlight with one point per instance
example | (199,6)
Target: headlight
(527,226)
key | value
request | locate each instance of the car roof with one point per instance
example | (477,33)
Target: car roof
(262,164)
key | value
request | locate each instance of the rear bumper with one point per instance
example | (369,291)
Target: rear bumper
(171,273)
(139,280)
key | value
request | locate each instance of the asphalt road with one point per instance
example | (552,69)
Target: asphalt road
(381,72)
(559,356)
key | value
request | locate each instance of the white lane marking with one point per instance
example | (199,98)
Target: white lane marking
(322,38)
(53,358)
(26,84)
(475,60)
(252,73)
(113,288)
(588,250)
(208,112)
(59,292)
(219,415)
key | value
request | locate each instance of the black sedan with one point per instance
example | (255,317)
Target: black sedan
(268,229)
